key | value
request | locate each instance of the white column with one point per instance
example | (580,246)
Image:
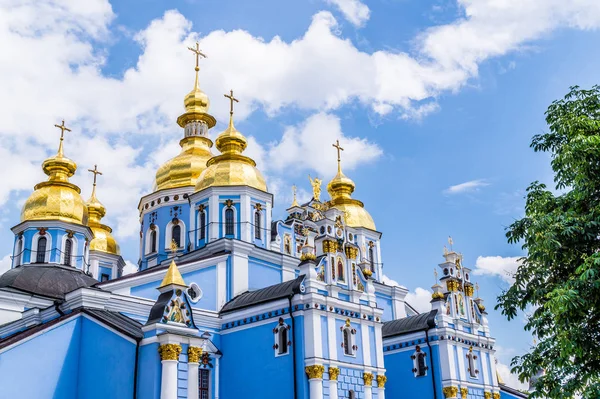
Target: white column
(246,217)
(381,393)
(214,214)
(169,354)
(368,379)
(239,268)
(333,389)
(315,380)
(193,364)
(217,377)
(381,380)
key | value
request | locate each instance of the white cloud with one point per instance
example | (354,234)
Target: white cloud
(5,264)
(419,299)
(503,267)
(388,281)
(466,187)
(354,11)
(510,379)
(129,268)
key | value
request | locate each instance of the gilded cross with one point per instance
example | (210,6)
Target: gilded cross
(62,128)
(232,99)
(198,53)
(96,172)
(339,148)
(294,191)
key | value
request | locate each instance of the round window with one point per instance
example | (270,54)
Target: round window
(194,293)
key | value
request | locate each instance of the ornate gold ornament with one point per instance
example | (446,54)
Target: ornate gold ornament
(308,256)
(316,186)
(437,295)
(258,207)
(228,203)
(169,351)
(295,201)
(381,380)
(464,392)
(315,371)
(452,285)
(173,246)
(351,252)
(450,392)
(469,290)
(329,246)
(487,395)
(194,354)
(368,378)
(496,395)
(334,372)
(367,272)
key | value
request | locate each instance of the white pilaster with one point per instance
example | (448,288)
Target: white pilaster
(331,341)
(366,345)
(221,284)
(380,393)
(192,381)
(379,338)
(213,217)
(368,392)
(168,385)
(245,218)
(333,389)
(312,332)
(239,269)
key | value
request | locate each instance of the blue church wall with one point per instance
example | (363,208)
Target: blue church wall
(324,340)
(149,372)
(402,382)
(385,302)
(341,356)
(276,372)
(52,357)
(105,356)
(105,270)
(263,274)
(373,346)
(206,279)
(161,216)
(182,373)
(348,379)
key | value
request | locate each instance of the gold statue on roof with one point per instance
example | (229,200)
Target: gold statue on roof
(316,185)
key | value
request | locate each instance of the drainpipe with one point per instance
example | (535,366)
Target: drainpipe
(135,367)
(431,360)
(293,347)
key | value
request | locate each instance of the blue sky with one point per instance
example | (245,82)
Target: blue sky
(435,102)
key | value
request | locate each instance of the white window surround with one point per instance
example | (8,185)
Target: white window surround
(350,333)
(148,240)
(34,244)
(169,234)
(277,335)
(415,358)
(202,214)
(260,215)
(18,253)
(235,222)
(472,364)
(74,249)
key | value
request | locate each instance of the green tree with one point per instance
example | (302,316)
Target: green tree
(558,282)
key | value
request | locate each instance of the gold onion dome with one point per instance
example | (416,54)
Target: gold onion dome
(184,169)
(341,188)
(103,239)
(231,168)
(56,198)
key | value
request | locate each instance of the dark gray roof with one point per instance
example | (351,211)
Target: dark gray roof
(52,281)
(421,322)
(157,311)
(513,391)
(277,291)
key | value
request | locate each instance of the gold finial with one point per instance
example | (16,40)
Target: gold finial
(174,247)
(435,273)
(316,185)
(96,172)
(450,242)
(62,128)
(295,202)
(477,289)
(173,276)
(445,250)
(339,158)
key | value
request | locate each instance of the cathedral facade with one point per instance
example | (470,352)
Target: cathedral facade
(227,303)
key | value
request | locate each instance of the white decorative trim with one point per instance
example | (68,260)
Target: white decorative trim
(277,335)
(148,244)
(34,246)
(169,234)
(235,220)
(18,252)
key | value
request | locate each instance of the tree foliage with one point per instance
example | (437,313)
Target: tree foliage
(558,282)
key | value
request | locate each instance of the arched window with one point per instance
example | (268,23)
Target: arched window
(347,336)
(68,252)
(282,341)
(257,225)
(18,251)
(153,241)
(419,365)
(204,383)
(202,225)
(471,357)
(228,222)
(41,250)
(340,270)
(372,258)
(176,235)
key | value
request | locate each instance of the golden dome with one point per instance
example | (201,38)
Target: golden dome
(341,188)
(185,168)
(103,240)
(231,168)
(56,198)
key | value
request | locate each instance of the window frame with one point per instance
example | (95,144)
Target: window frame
(350,348)
(68,252)
(277,335)
(417,370)
(42,252)
(201,388)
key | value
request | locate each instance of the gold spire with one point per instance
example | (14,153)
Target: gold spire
(173,276)
(56,198)
(341,188)
(231,168)
(103,239)
(295,201)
